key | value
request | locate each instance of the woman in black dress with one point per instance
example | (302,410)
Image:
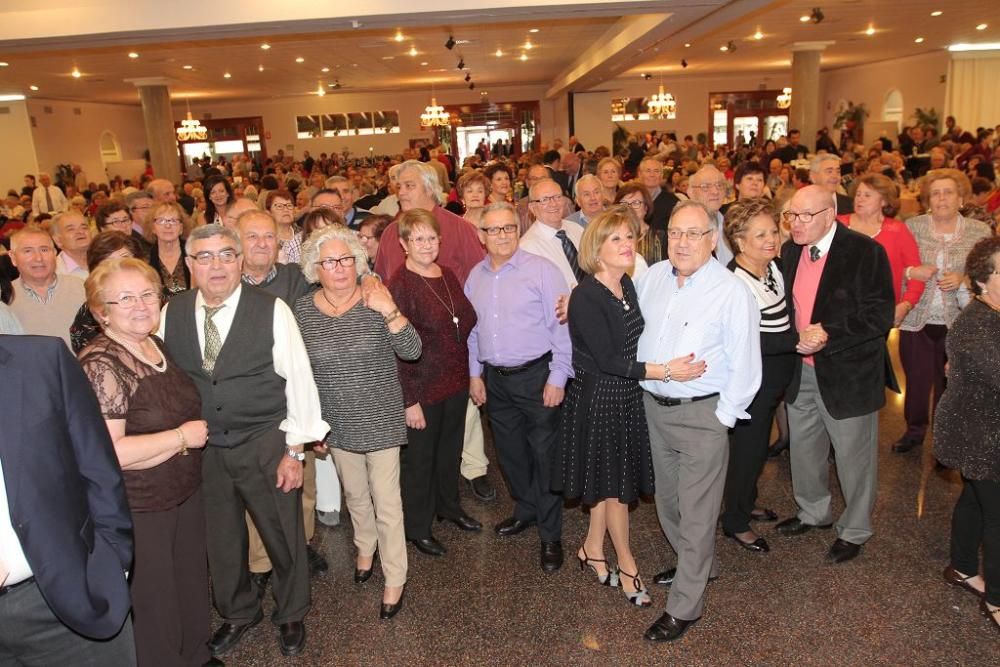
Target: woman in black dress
(604,446)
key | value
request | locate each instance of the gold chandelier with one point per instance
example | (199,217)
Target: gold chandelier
(434,115)
(191,129)
(784,100)
(662,105)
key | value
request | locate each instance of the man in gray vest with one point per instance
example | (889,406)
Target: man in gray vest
(243,349)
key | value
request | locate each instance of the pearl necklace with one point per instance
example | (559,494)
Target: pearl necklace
(137,352)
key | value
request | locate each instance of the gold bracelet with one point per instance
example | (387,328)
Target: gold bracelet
(391,316)
(183,441)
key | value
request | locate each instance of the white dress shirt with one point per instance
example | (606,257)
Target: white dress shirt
(40,205)
(14,566)
(67,266)
(303,422)
(540,239)
(713,315)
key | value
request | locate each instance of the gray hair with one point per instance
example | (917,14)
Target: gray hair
(428,175)
(702,174)
(583,180)
(685,204)
(133,197)
(310,250)
(330,182)
(208,231)
(501,206)
(816,163)
(57,219)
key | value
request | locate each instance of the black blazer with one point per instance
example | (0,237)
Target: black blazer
(844,204)
(64,485)
(855,304)
(562,178)
(663,206)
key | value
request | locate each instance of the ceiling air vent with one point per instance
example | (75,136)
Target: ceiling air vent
(4,110)
(77,111)
(47,110)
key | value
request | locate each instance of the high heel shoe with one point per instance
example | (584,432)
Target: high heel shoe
(640,598)
(361,576)
(389,609)
(992,614)
(609,578)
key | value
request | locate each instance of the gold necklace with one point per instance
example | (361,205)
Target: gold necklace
(335,307)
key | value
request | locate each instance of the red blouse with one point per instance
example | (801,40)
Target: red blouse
(902,250)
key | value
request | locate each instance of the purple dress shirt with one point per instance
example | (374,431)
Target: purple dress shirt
(516,314)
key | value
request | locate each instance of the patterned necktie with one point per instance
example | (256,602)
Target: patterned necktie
(213,342)
(48,200)
(813,253)
(570,251)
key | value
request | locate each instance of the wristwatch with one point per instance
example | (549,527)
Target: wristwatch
(292,454)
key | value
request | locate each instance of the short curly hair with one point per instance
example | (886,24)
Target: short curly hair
(980,264)
(960,180)
(469,178)
(739,215)
(311,248)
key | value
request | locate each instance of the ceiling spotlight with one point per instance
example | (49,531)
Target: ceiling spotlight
(265,46)
(399,36)
(817,15)
(450,44)
(227,75)
(805,18)
(260,68)
(75,73)
(646,76)
(334,85)
(528,45)
(981,26)
(524,56)
(870,31)
(300,59)
(320,92)
(724,47)
(325,70)
(499,53)
(684,63)
(472,85)
(918,40)
(188,67)
(937,13)
(133,55)
(4,64)
(412,51)
(533,30)
(423,64)
(468,77)
(687,45)
(461,63)
(758,35)
(33,87)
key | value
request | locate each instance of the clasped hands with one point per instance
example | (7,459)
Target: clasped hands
(812,339)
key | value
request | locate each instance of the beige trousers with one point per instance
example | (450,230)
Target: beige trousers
(259,562)
(474,461)
(371,491)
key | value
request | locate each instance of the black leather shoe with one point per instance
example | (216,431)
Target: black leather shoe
(317,564)
(763,515)
(759,545)
(667,629)
(842,551)
(794,526)
(666,578)
(229,635)
(552,556)
(213,662)
(464,522)
(429,546)
(778,446)
(361,576)
(292,637)
(512,526)
(387,610)
(482,489)
(260,579)
(905,444)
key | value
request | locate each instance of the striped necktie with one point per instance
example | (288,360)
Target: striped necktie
(570,251)
(213,342)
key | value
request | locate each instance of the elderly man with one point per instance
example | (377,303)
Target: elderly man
(526,355)
(824,172)
(588,197)
(651,176)
(72,235)
(259,236)
(571,166)
(328,198)
(161,190)
(45,303)
(708,188)
(534,174)
(47,198)
(236,209)
(842,303)
(551,237)
(243,349)
(703,323)
(352,215)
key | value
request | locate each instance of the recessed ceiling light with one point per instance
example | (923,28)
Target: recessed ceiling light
(805,18)
(918,40)
(413,51)
(423,64)
(260,68)
(75,73)
(870,31)
(937,12)
(724,47)
(265,46)
(300,59)
(133,55)
(385,58)
(325,70)
(758,35)
(188,67)
(982,26)
(524,56)
(528,45)
(499,53)
(4,64)
(399,36)
(687,45)
(11,98)
(227,75)
(533,30)
(33,87)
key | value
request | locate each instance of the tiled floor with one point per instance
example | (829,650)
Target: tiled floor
(487,602)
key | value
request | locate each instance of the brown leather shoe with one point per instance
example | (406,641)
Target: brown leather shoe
(959,580)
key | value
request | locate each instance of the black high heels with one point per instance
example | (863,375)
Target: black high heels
(609,578)
(361,576)
(389,609)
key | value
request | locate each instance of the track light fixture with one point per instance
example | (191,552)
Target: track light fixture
(472,85)
(684,63)
(468,77)
(461,63)
(817,15)
(646,76)
(450,44)
(730,46)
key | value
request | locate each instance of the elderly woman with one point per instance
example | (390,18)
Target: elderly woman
(113,216)
(360,394)
(876,201)
(153,413)
(609,171)
(604,458)
(280,204)
(473,191)
(967,432)
(370,235)
(651,243)
(106,245)
(751,228)
(501,183)
(944,239)
(165,228)
(435,387)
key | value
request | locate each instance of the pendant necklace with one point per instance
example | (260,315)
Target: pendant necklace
(450,306)
(335,307)
(138,354)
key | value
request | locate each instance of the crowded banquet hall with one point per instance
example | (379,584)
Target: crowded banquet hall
(402,335)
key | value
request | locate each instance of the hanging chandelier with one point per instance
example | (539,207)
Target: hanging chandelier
(784,100)
(662,105)
(434,115)
(191,129)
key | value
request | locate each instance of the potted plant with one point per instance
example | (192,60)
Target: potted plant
(852,116)
(926,117)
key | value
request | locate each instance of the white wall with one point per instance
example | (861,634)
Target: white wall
(62,136)
(18,146)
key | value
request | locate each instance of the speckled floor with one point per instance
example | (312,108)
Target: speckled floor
(487,602)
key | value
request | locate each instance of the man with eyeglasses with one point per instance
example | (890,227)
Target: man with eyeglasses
(589,198)
(242,347)
(702,322)
(843,305)
(550,236)
(651,176)
(520,359)
(708,188)
(139,204)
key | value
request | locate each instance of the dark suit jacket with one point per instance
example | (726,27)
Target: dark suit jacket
(663,206)
(844,204)
(64,485)
(562,178)
(855,304)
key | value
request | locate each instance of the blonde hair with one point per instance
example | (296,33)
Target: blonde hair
(961,182)
(156,210)
(598,231)
(414,218)
(99,277)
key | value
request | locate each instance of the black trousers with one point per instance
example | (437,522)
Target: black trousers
(923,356)
(974,523)
(748,443)
(429,466)
(242,479)
(170,607)
(525,434)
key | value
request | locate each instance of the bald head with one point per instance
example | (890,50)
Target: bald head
(819,206)
(238,207)
(161,190)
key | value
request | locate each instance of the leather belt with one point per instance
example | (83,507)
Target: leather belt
(7,589)
(668,402)
(514,370)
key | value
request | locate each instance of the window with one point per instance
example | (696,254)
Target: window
(892,108)
(354,123)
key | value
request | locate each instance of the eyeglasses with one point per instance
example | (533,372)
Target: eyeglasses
(365,237)
(117,221)
(805,216)
(227,256)
(494,231)
(282,207)
(167,222)
(705,187)
(636,203)
(131,300)
(545,201)
(692,235)
(425,240)
(330,263)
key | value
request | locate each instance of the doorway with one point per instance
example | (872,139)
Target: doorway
(469,138)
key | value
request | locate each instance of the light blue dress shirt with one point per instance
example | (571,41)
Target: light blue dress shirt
(8,322)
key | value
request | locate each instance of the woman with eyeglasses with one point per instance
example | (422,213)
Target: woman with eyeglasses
(361,396)
(652,243)
(279,204)
(153,413)
(166,227)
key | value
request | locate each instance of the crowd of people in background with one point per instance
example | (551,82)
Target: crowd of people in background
(273,333)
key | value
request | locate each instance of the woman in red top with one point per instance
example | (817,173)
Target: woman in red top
(876,200)
(436,386)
